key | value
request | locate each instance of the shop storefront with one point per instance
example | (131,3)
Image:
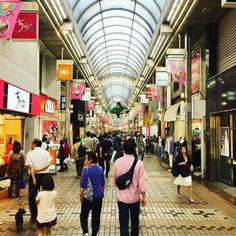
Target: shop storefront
(221,106)
(49,125)
(16,106)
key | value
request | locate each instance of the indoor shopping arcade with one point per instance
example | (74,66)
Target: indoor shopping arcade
(88,83)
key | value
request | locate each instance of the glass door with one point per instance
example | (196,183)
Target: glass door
(233,147)
(224,151)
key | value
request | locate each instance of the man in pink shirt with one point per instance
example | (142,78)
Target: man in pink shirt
(129,199)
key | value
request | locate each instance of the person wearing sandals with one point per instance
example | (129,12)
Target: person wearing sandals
(91,193)
(184,163)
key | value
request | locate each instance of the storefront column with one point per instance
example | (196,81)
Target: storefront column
(203,148)
(67,111)
(188,91)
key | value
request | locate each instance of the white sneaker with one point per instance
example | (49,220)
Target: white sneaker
(86,234)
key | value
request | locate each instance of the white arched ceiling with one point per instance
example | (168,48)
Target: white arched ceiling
(117,34)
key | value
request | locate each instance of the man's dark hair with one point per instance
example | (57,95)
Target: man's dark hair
(37,142)
(10,138)
(16,147)
(47,183)
(92,156)
(77,139)
(105,135)
(88,133)
(44,138)
(129,146)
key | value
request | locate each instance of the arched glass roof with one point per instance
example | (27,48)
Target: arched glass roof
(117,34)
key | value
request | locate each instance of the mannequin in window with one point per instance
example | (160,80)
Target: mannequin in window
(169,147)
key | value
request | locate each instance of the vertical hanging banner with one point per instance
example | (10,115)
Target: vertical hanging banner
(65,69)
(9,11)
(77,90)
(156,93)
(177,68)
(90,105)
(195,72)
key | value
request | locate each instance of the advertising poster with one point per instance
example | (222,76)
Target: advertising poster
(77,90)
(224,141)
(176,68)
(90,105)
(18,99)
(195,72)
(156,93)
(51,129)
(9,11)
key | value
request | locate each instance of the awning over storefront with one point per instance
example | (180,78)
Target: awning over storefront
(171,112)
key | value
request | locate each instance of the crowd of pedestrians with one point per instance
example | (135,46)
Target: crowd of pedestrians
(93,157)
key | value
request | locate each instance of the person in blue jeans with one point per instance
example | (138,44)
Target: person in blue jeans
(92,173)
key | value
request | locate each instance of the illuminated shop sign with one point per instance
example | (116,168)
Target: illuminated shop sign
(48,106)
(18,99)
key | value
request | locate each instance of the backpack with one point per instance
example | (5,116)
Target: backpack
(123,181)
(81,150)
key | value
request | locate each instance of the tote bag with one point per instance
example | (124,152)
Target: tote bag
(88,192)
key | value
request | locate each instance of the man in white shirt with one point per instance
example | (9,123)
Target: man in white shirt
(38,161)
(88,142)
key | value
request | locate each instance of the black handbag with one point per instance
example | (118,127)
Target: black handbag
(123,181)
(175,170)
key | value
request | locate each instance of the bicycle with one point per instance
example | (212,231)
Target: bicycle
(164,161)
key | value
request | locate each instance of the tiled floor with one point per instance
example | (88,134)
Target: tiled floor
(164,214)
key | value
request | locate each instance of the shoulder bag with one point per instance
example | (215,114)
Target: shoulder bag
(123,181)
(88,192)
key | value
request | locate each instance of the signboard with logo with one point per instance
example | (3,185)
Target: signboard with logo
(143,99)
(18,99)
(26,26)
(148,91)
(48,106)
(9,11)
(65,69)
(87,95)
(162,79)
(63,102)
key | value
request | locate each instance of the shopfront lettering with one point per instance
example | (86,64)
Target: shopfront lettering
(64,72)
(49,106)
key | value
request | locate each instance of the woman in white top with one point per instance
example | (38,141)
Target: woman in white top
(47,216)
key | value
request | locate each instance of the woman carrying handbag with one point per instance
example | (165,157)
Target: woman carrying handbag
(91,193)
(184,178)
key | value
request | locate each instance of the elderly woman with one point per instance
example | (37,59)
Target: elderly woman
(91,193)
(184,163)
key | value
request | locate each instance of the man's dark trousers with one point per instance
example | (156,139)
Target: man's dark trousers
(124,210)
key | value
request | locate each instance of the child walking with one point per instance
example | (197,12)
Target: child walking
(47,216)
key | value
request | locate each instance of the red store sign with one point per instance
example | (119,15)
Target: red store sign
(48,106)
(26,26)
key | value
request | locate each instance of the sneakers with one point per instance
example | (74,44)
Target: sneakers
(86,234)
